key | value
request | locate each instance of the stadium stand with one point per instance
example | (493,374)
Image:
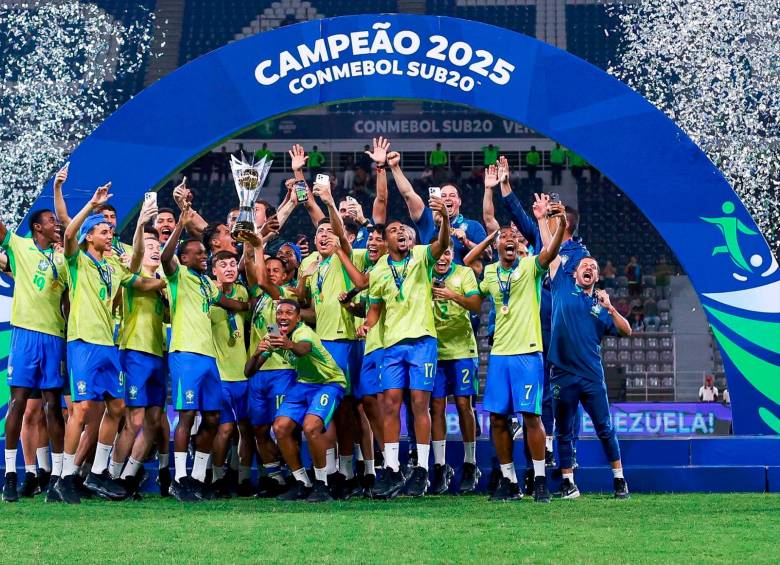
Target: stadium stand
(593,32)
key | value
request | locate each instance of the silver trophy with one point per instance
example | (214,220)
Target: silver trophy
(249,179)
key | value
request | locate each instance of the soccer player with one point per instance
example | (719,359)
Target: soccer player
(401,285)
(38,336)
(228,332)
(515,376)
(310,403)
(581,317)
(93,359)
(165,223)
(192,357)
(141,354)
(455,296)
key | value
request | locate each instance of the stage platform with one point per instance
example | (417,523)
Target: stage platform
(690,464)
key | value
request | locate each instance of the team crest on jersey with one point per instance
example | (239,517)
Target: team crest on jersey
(43,264)
(189,396)
(456,281)
(81,386)
(596,309)
(133,392)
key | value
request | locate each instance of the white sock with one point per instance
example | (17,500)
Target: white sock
(10,461)
(102,454)
(569,476)
(391,456)
(617,473)
(115,468)
(345,466)
(31,469)
(244,473)
(423,454)
(235,462)
(131,468)
(321,475)
(548,443)
(302,477)
(539,468)
(163,460)
(330,461)
(68,464)
(470,452)
(180,464)
(56,464)
(218,472)
(199,466)
(508,471)
(42,455)
(439,451)
(358,451)
(370,469)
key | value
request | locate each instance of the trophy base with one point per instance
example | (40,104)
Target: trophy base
(242,226)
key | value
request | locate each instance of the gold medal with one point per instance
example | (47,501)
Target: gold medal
(505,309)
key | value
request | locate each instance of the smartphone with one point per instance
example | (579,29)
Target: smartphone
(322,179)
(434,191)
(351,200)
(555,198)
(150,197)
(438,284)
(301,192)
(273,330)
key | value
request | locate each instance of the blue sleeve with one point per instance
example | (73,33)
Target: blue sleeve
(425,227)
(523,221)
(608,326)
(476,232)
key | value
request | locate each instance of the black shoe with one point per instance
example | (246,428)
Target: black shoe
(30,485)
(493,480)
(549,459)
(51,493)
(180,491)
(44,478)
(83,491)
(442,476)
(245,489)
(231,477)
(133,484)
(221,488)
(104,486)
(506,490)
(320,493)
(337,484)
(528,482)
(360,468)
(417,483)
(569,489)
(541,494)
(621,488)
(298,491)
(390,485)
(10,493)
(68,489)
(469,478)
(201,491)
(164,481)
(268,487)
(353,488)
(368,482)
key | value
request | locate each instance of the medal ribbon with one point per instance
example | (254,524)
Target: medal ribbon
(505,287)
(399,279)
(322,274)
(50,259)
(103,271)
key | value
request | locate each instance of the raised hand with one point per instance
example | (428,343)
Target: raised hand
(148,212)
(101,195)
(323,191)
(271,226)
(491,177)
(541,204)
(356,211)
(298,157)
(437,205)
(182,194)
(503,169)
(603,298)
(62,176)
(379,153)
(393,158)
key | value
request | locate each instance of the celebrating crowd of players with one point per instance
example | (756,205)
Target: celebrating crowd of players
(264,350)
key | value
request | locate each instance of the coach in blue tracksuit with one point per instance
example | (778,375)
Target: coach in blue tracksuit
(581,317)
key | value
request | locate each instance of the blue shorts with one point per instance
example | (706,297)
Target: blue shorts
(370,381)
(319,400)
(144,378)
(196,382)
(234,402)
(266,393)
(515,383)
(94,371)
(456,377)
(348,355)
(35,360)
(410,364)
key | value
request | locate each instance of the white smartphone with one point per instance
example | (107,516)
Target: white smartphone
(434,191)
(151,198)
(273,330)
(323,179)
(351,200)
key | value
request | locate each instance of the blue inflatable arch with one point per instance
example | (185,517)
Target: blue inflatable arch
(495,70)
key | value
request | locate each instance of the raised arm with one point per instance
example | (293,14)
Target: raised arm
(336,222)
(414,203)
(479,249)
(360,280)
(519,216)
(182,195)
(622,325)
(168,255)
(488,210)
(298,160)
(60,208)
(72,231)
(148,212)
(260,273)
(439,246)
(550,251)
(379,156)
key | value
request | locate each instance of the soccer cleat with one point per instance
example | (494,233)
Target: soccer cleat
(390,485)
(360,468)
(132,484)
(495,477)
(549,459)
(368,482)
(245,489)
(621,488)
(221,488)
(51,493)
(30,485)
(68,489)
(10,493)
(319,493)
(44,478)
(506,490)
(268,487)
(442,476)
(528,480)
(201,491)
(353,488)
(164,481)
(541,493)
(337,483)
(569,490)
(297,491)
(417,483)
(469,478)
(181,492)
(104,486)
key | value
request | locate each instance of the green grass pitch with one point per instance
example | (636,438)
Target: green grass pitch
(690,528)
